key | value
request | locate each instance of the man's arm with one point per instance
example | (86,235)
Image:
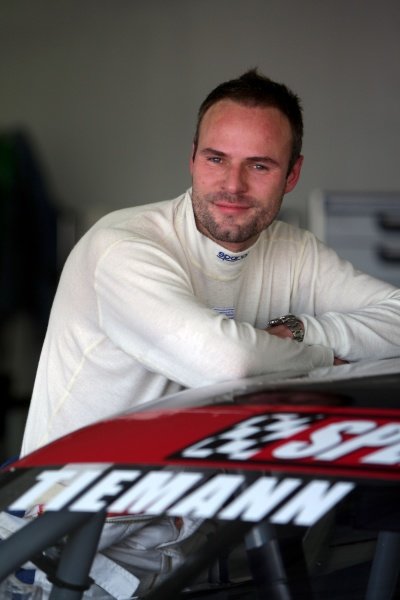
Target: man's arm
(147,307)
(356,315)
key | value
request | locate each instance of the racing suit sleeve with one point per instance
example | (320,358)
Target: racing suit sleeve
(353,313)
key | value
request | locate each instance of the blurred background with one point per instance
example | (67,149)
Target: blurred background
(98,101)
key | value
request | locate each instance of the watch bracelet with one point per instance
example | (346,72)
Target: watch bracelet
(292,323)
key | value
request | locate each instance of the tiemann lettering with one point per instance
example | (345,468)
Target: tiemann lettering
(195,494)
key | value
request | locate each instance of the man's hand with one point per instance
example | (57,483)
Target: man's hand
(280,331)
(339,361)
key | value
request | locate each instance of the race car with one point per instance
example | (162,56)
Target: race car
(298,474)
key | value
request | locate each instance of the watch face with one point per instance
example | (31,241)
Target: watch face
(298,334)
(295,326)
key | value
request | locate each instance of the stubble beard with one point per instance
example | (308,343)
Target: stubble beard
(226,229)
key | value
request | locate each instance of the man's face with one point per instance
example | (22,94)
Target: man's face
(240,172)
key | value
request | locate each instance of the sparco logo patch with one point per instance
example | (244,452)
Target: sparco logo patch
(230,258)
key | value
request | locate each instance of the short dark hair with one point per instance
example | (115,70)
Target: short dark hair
(253,89)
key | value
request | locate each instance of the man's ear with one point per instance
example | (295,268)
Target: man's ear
(192,157)
(294,175)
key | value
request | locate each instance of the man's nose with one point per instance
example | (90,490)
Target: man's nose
(235,179)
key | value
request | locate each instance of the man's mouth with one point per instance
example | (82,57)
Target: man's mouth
(233,205)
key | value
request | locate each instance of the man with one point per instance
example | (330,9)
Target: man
(161,297)
(179,294)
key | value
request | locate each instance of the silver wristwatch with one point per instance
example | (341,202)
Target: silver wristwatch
(292,323)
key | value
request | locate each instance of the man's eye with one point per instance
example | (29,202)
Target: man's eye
(260,167)
(215,159)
